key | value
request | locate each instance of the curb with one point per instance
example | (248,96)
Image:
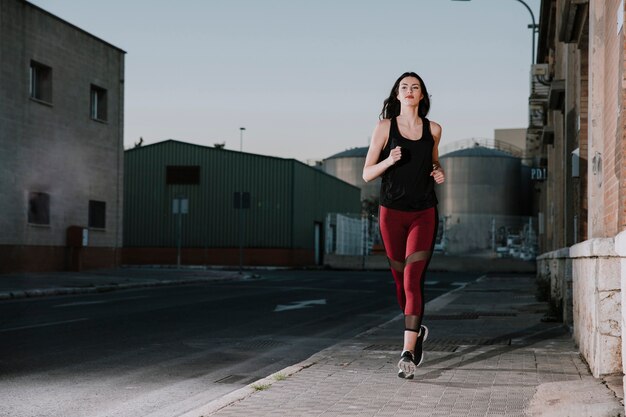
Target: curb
(19,294)
(247,391)
(208,267)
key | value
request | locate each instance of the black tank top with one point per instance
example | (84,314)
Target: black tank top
(407,185)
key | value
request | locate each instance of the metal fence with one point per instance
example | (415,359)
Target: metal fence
(503,236)
(350,234)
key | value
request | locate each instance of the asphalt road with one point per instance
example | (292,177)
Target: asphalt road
(163,351)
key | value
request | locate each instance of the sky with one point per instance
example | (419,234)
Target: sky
(307,79)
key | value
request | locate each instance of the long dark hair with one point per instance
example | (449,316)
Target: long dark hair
(391,106)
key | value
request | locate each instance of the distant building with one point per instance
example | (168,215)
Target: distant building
(348,166)
(61,141)
(285,204)
(515,137)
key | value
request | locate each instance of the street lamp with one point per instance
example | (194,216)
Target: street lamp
(240,197)
(533,26)
(241,129)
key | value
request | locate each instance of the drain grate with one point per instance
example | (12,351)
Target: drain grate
(469,315)
(429,347)
(382,348)
(459,316)
(496,314)
(265,343)
(444,344)
(477,341)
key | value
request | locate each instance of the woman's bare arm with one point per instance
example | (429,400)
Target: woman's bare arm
(374,169)
(437,172)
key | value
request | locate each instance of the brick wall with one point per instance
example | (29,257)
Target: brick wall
(606,61)
(583,133)
(621,139)
(611,91)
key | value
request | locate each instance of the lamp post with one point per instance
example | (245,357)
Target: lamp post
(534,27)
(241,129)
(239,196)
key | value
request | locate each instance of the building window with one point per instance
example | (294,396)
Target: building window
(39,208)
(98,103)
(187,175)
(40,82)
(97,214)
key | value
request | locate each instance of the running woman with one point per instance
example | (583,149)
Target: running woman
(404,151)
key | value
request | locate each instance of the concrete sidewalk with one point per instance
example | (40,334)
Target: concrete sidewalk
(488,354)
(13,286)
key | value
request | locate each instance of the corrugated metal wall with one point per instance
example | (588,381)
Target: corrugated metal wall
(316,194)
(286,198)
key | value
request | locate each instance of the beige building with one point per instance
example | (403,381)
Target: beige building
(515,137)
(581,100)
(61,142)
(515,140)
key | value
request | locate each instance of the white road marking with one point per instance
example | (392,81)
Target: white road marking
(81,303)
(32,326)
(432,282)
(295,305)
(85,303)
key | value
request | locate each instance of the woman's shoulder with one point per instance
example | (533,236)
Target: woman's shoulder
(382,127)
(435,128)
(383,123)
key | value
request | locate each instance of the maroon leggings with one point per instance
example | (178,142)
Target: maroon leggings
(409,237)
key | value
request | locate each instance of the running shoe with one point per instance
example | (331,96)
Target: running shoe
(406,366)
(419,347)
(408,360)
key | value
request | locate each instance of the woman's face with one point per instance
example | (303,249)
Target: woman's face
(410,91)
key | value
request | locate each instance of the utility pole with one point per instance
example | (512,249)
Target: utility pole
(241,129)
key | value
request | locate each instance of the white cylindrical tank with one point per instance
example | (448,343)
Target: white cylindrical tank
(348,166)
(480,180)
(483,198)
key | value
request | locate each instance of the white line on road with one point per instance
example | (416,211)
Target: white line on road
(295,305)
(432,282)
(81,303)
(85,303)
(32,326)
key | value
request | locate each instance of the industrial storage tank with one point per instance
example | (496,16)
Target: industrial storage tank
(483,201)
(480,180)
(348,166)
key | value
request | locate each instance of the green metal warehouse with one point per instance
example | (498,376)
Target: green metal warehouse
(284,203)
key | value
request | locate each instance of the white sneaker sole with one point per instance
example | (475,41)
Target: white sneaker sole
(406,368)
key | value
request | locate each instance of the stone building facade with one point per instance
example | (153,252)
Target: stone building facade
(582,202)
(61,142)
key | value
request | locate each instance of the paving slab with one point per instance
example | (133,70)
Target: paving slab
(488,354)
